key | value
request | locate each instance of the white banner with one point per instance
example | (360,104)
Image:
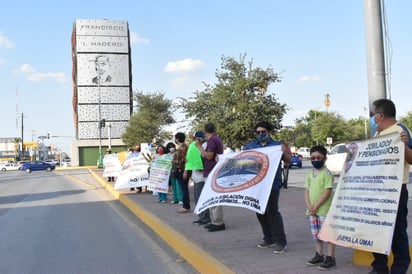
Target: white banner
(364,206)
(160,174)
(241,179)
(111,165)
(133,174)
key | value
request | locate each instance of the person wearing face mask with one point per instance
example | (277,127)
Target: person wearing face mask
(271,221)
(210,154)
(194,163)
(318,198)
(383,121)
(179,160)
(174,183)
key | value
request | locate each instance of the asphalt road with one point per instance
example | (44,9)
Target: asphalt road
(65,222)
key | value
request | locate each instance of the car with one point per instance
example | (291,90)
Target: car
(296,160)
(336,158)
(8,166)
(304,152)
(37,165)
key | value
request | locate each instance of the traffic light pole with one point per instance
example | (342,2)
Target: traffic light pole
(99,159)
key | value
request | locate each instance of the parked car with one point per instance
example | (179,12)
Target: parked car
(20,163)
(304,152)
(296,160)
(336,159)
(37,165)
(8,166)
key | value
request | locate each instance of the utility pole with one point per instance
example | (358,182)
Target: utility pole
(22,136)
(375,53)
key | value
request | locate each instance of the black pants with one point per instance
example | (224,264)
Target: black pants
(400,243)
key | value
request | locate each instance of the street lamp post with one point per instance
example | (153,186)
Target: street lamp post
(98,64)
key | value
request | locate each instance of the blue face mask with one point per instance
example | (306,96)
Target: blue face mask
(318,164)
(263,137)
(373,124)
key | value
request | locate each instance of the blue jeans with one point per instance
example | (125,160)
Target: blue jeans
(400,243)
(271,221)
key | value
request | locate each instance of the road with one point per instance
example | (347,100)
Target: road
(65,222)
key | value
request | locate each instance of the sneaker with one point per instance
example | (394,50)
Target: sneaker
(328,263)
(279,249)
(214,228)
(316,260)
(183,210)
(265,244)
(173,202)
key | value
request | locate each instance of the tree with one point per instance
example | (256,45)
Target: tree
(153,112)
(407,120)
(238,100)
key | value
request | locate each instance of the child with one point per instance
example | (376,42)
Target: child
(318,198)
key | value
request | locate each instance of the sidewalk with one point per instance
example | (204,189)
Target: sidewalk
(235,249)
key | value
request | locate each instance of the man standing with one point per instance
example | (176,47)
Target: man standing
(271,221)
(214,147)
(194,163)
(384,122)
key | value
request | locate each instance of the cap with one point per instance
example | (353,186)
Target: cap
(199,134)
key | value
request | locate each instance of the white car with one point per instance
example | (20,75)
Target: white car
(304,151)
(9,166)
(336,158)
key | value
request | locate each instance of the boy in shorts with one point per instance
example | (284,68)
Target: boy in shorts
(318,198)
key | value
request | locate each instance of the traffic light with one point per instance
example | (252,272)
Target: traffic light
(102,123)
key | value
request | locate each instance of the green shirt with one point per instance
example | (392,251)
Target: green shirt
(193,158)
(317,186)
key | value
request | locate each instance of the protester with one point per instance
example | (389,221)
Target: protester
(162,152)
(179,162)
(384,122)
(286,166)
(110,178)
(214,147)
(271,221)
(318,198)
(194,163)
(174,183)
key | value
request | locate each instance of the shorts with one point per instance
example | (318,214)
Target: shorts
(315,225)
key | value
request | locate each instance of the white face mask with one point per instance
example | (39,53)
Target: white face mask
(172,149)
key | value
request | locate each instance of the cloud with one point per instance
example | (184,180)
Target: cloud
(136,39)
(26,68)
(185,65)
(308,78)
(38,77)
(34,76)
(5,42)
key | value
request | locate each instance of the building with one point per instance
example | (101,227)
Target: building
(102,87)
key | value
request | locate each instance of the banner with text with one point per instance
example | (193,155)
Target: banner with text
(241,179)
(367,196)
(133,174)
(160,174)
(111,165)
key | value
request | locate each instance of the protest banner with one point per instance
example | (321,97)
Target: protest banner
(364,207)
(111,165)
(160,174)
(241,179)
(133,173)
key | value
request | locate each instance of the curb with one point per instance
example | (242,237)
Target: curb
(193,254)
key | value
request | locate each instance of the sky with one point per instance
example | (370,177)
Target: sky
(318,47)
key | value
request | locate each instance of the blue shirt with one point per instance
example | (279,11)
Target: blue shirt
(277,182)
